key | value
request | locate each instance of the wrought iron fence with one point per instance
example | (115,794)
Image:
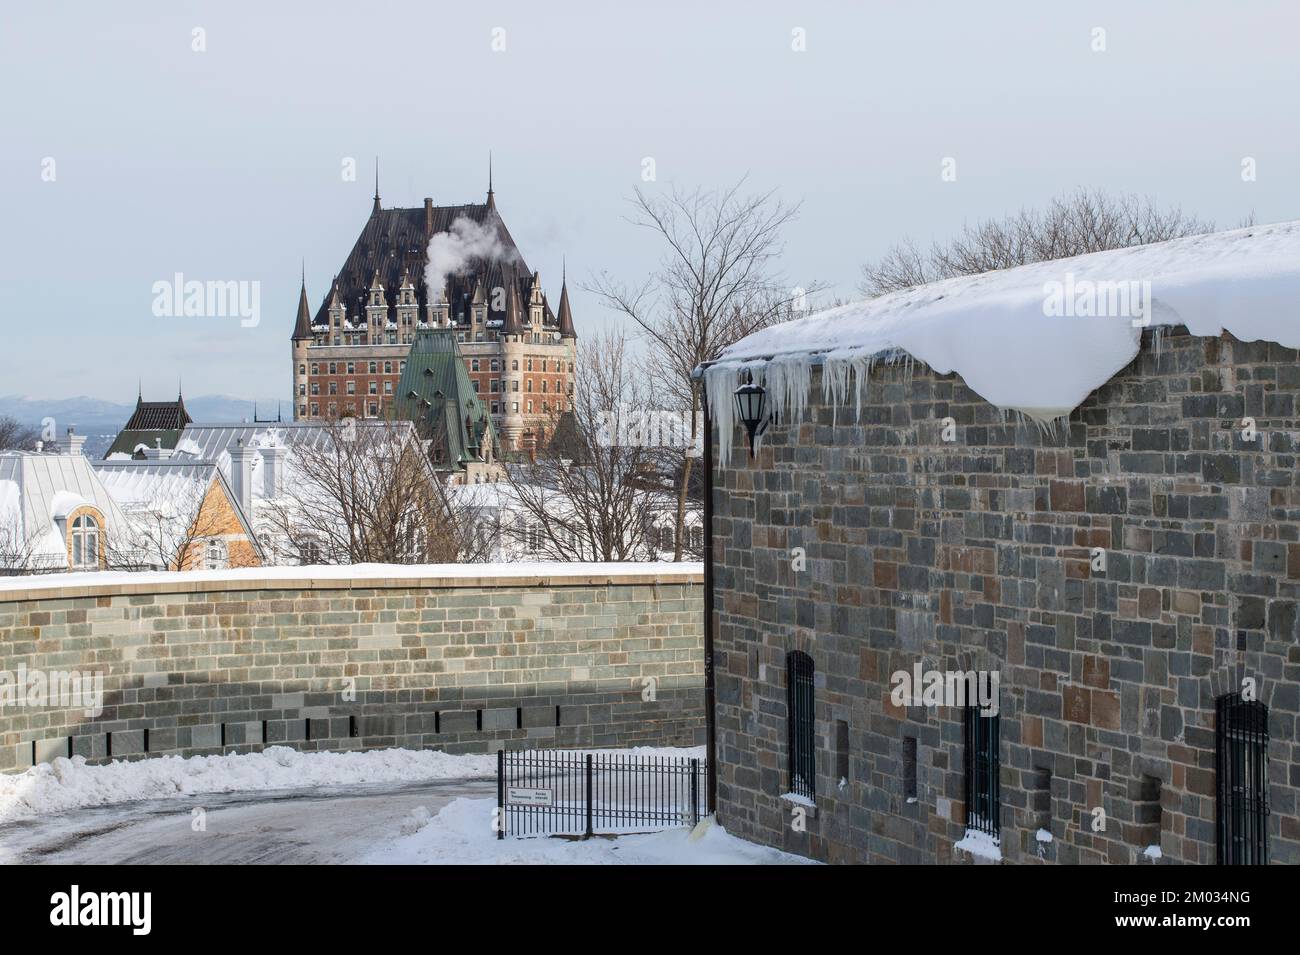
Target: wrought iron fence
(1241,738)
(568,792)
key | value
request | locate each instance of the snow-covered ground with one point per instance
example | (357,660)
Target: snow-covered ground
(382,806)
(461,834)
(71,784)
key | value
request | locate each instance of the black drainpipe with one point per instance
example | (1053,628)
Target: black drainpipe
(710,696)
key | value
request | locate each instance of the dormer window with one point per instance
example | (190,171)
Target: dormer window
(85,543)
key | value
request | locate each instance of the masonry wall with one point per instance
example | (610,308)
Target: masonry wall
(975,554)
(221,662)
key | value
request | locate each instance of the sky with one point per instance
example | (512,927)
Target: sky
(128,154)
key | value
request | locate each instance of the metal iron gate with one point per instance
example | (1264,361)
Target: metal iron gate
(567,792)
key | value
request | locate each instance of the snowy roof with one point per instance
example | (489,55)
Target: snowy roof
(39,490)
(1038,338)
(167,494)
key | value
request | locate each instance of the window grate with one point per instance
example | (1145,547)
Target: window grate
(803,737)
(1241,746)
(983,796)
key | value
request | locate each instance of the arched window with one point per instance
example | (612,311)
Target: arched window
(85,542)
(1241,804)
(802,724)
(215,555)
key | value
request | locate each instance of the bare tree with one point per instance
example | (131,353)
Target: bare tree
(368,494)
(591,494)
(1073,224)
(16,436)
(717,282)
(17,550)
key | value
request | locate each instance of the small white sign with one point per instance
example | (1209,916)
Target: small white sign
(530,797)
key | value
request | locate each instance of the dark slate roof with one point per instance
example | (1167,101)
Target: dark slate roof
(566,314)
(394,243)
(435,392)
(153,424)
(302,326)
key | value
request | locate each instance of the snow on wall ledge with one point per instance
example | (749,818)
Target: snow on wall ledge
(346,576)
(1036,339)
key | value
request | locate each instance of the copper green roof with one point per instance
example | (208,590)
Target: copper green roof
(436,393)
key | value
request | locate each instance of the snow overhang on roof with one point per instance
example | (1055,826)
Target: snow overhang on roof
(1036,339)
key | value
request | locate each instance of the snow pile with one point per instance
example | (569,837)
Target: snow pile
(462,834)
(1037,339)
(981,845)
(71,784)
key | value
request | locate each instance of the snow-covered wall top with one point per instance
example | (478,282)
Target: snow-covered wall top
(1037,339)
(345,576)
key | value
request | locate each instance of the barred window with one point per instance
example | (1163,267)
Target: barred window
(983,796)
(1241,806)
(802,726)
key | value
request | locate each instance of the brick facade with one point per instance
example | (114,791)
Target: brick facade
(463,665)
(978,554)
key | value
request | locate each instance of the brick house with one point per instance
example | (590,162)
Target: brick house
(1125,563)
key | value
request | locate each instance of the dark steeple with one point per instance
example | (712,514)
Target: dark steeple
(375,211)
(565,315)
(302,328)
(514,323)
(491,202)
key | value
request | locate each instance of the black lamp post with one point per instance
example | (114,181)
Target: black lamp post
(750,402)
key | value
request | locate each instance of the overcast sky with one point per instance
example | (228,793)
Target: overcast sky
(227,164)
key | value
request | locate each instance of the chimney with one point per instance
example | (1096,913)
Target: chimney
(272,471)
(70,443)
(157,452)
(428,217)
(241,476)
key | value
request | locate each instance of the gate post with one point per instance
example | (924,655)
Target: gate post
(589,794)
(695,792)
(501,794)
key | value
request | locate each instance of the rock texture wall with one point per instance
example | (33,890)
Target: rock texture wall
(223,662)
(977,553)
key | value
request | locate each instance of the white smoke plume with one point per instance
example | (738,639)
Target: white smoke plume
(450,253)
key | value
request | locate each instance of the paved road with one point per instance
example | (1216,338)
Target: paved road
(324,825)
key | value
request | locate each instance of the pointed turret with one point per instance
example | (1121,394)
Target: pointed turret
(566,315)
(302,328)
(491,200)
(376,208)
(514,322)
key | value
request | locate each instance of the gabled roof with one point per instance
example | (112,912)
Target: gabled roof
(435,392)
(170,487)
(153,424)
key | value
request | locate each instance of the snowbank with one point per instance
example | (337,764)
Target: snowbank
(1004,334)
(462,834)
(71,784)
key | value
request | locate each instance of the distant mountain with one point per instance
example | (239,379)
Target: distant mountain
(99,419)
